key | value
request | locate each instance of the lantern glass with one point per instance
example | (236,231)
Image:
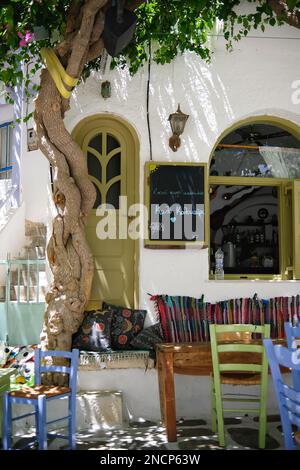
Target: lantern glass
(177,121)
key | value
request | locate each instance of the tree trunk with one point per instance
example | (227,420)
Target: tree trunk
(68,253)
(281,10)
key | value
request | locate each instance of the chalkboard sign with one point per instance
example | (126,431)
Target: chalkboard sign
(176,196)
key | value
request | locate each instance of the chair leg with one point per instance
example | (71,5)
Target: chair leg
(220,419)
(213,408)
(72,422)
(41,423)
(262,423)
(287,429)
(263,412)
(7,425)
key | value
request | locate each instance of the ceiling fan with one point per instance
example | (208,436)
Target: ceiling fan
(255,137)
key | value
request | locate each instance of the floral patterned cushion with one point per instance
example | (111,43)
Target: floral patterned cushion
(148,338)
(94,333)
(126,324)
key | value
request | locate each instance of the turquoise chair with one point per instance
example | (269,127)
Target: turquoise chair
(288,398)
(39,395)
(292,333)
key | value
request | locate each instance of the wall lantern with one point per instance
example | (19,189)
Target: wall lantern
(106,89)
(177,123)
(119,28)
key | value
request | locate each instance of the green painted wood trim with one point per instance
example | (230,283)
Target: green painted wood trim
(240,327)
(217,385)
(249,400)
(237,410)
(240,367)
(240,348)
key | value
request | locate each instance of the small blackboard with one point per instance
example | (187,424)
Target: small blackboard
(176,196)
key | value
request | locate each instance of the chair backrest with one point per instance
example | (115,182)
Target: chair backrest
(292,334)
(225,354)
(288,398)
(71,370)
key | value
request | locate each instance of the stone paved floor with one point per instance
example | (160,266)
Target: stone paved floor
(241,433)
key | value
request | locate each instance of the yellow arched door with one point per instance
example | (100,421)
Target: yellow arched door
(111,147)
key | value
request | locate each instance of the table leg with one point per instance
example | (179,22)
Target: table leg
(167,393)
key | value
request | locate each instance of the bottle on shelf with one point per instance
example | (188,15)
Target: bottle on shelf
(262,238)
(257,236)
(219,264)
(237,237)
(251,238)
(274,237)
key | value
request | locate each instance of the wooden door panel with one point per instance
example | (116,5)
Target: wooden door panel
(112,170)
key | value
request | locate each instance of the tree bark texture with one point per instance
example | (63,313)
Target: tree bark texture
(281,9)
(68,253)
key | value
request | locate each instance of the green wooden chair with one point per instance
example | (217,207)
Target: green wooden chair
(238,361)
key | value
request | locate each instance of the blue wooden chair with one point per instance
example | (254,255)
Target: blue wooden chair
(288,398)
(39,395)
(292,333)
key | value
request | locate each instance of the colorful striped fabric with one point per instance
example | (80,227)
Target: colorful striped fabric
(187,319)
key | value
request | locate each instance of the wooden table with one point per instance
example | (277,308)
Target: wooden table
(186,359)
(183,358)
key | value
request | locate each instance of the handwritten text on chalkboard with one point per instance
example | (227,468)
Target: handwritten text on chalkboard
(176,202)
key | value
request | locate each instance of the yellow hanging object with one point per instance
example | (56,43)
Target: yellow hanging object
(57,72)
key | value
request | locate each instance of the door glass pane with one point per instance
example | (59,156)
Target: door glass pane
(113,167)
(98,200)
(94,166)
(112,196)
(244,223)
(111,143)
(96,143)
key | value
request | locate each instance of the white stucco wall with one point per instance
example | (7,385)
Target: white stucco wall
(35,180)
(6,112)
(140,393)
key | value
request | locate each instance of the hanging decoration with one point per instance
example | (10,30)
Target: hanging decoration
(58,73)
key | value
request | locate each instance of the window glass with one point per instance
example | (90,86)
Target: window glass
(257,150)
(244,223)
(5,151)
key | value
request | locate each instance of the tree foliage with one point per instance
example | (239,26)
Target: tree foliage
(173,26)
